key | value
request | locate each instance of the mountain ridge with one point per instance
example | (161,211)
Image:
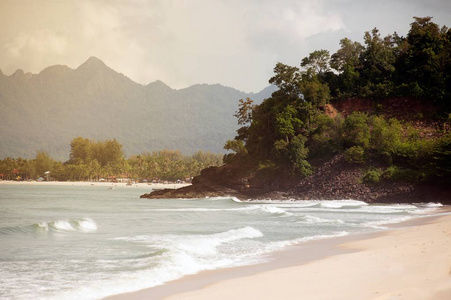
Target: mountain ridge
(45,111)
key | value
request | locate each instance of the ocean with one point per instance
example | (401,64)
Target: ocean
(89,242)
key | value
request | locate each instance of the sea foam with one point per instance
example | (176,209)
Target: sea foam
(80,225)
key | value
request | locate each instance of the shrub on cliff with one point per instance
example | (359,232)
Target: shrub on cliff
(372,176)
(355,154)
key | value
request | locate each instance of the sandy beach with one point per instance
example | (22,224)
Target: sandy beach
(97,183)
(410,262)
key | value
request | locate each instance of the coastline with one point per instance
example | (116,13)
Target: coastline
(152,186)
(411,260)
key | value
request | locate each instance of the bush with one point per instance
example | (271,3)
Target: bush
(356,130)
(372,176)
(355,154)
(390,173)
(396,173)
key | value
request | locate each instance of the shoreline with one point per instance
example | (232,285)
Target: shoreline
(152,186)
(246,281)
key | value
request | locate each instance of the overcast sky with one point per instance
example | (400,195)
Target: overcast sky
(183,42)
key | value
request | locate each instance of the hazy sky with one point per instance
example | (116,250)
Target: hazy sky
(183,42)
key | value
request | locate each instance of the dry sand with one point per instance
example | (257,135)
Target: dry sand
(404,263)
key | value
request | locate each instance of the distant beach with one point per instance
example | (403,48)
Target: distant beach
(411,262)
(153,186)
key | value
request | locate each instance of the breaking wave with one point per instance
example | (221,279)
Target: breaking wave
(75,225)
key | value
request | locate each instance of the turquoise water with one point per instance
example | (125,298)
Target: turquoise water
(69,242)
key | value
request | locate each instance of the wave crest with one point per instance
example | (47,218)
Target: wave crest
(81,225)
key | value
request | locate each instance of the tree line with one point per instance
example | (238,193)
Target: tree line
(289,129)
(417,65)
(96,160)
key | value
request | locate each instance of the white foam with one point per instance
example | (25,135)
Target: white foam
(377,224)
(342,204)
(314,220)
(279,245)
(272,209)
(62,225)
(262,208)
(82,225)
(196,244)
(185,255)
(203,209)
(87,225)
(432,204)
(228,198)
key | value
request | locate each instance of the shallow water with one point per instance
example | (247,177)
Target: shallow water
(70,242)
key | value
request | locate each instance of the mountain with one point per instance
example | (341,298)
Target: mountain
(45,111)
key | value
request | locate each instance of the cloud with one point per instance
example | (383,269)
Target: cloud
(183,42)
(40,42)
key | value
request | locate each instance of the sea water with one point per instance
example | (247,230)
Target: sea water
(72,242)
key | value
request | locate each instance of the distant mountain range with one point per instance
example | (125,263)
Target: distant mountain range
(45,111)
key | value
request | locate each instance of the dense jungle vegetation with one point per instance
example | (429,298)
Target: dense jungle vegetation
(283,134)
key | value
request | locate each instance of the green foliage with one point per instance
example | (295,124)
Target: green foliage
(290,124)
(297,154)
(287,79)
(417,65)
(317,62)
(440,161)
(372,176)
(347,56)
(236,146)
(281,124)
(424,61)
(95,160)
(315,92)
(287,122)
(326,137)
(172,165)
(377,65)
(244,113)
(385,136)
(43,163)
(355,154)
(401,174)
(357,130)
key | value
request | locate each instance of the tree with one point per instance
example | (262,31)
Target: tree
(287,122)
(424,65)
(376,67)
(346,62)
(239,149)
(43,163)
(287,78)
(317,62)
(315,92)
(81,150)
(244,113)
(244,116)
(347,56)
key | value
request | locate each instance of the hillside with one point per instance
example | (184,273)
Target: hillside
(46,111)
(334,176)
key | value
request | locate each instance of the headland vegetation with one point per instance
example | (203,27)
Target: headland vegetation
(370,122)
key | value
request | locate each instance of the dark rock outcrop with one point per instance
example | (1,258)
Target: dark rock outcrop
(333,179)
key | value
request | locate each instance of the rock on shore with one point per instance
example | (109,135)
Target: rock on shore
(332,180)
